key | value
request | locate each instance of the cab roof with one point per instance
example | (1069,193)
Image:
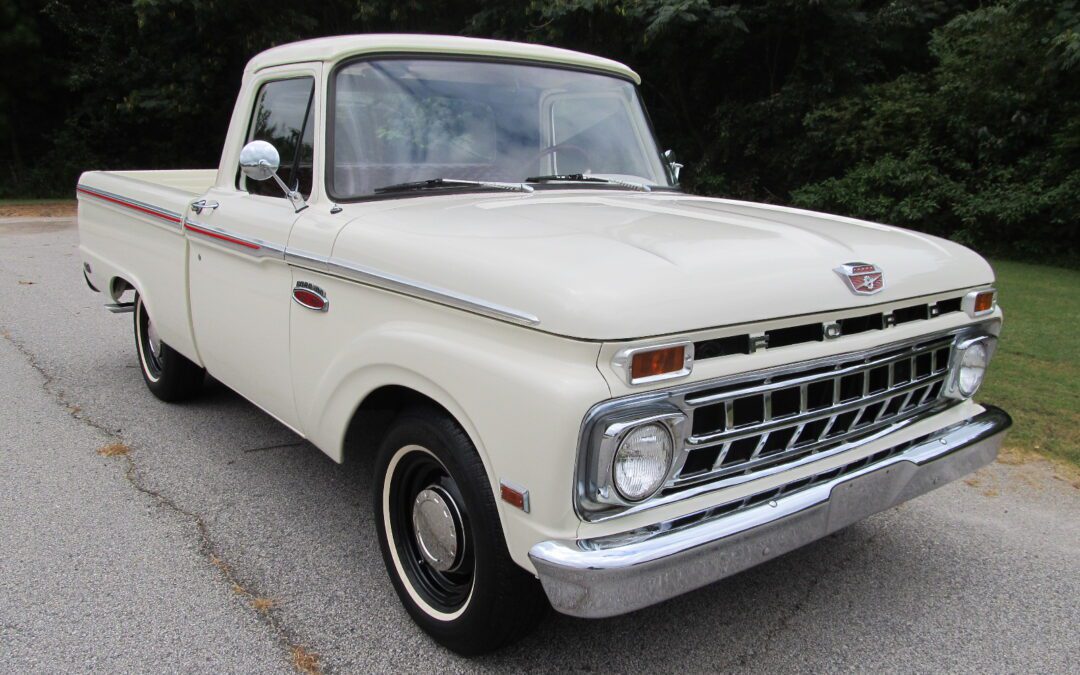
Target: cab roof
(333,49)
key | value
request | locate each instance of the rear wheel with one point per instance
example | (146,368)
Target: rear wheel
(442,540)
(170,375)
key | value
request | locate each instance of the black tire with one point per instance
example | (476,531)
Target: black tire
(484,601)
(169,375)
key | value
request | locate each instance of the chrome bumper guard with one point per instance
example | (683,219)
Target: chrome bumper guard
(608,576)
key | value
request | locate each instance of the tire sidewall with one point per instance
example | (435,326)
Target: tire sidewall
(420,433)
(178,378)
(142,344)
(391,542)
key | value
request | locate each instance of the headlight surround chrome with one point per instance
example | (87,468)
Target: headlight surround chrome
(600,491)
(642,461)
(971,356)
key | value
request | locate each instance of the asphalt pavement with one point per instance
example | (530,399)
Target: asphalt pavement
(214,539)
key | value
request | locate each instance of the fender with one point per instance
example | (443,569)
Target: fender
(519,394)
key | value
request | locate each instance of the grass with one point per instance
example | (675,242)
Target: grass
(1035,375)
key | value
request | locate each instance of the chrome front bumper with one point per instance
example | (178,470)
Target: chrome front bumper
(613,575)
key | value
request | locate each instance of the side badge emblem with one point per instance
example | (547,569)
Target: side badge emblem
(862,278)
(307,294)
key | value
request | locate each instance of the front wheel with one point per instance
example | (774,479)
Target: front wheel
(442,540)
(169,374)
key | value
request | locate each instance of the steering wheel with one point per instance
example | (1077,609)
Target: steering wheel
(558,147)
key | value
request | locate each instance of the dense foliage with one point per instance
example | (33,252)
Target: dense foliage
(956,117)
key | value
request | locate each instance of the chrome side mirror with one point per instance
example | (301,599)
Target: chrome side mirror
(674,167)
(260,160)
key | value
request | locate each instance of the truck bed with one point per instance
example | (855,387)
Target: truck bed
(192,181)
(131,236)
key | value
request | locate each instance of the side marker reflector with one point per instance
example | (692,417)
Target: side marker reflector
(514,496)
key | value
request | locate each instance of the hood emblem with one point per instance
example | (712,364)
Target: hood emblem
(862,278)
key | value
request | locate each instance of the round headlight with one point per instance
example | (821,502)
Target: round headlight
(642,461)
(972,368)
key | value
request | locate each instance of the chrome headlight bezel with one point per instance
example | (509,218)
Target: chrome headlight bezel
(962,348)
(597,490)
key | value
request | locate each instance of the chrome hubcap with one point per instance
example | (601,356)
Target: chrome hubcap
(153,339)
(437,525)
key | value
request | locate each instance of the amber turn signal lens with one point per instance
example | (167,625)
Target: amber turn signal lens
(984,302)
(658,362)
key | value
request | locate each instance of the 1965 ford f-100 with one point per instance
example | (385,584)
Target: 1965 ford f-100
(470,259)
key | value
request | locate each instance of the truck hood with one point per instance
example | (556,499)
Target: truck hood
(606,265)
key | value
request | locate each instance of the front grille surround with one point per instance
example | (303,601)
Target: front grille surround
(749,426)
(822,408)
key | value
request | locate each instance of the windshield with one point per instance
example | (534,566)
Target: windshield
(405,120)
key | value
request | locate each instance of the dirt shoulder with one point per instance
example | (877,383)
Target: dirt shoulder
(37,209)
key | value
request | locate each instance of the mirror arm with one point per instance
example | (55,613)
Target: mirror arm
(674,167)
(294,196)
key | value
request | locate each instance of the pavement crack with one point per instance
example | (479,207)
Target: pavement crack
(263,609)
(745,659)
(276,446)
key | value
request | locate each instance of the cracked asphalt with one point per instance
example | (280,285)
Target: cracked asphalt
(222,542)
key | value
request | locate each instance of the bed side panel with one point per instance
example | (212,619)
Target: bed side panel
(132,229)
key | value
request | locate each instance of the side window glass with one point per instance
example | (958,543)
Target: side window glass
(283,117)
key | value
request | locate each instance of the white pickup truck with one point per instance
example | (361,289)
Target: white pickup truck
(469,259)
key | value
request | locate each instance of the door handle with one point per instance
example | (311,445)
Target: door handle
(200,205)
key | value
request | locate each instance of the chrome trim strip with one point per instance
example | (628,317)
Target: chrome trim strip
(615,574)
(256,248)
(172,217)
(391,282)
(305,259)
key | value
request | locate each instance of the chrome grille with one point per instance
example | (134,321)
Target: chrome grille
(788,415)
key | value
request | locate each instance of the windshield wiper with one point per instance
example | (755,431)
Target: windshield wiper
(582,178)
(436,183)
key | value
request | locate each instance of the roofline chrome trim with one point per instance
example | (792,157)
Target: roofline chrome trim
(369,276)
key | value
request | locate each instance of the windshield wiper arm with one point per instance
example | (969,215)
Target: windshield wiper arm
(436,183)
(582,178)
(565,177)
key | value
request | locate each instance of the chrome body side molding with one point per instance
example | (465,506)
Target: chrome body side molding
(171,217)
(368,276)
(338,267)
(253,247)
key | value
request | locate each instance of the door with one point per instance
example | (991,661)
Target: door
(240,286)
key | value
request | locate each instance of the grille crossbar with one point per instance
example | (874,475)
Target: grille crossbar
(788,416)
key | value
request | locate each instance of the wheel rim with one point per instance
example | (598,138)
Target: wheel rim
(153,339)
(150,345)
(429,530)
